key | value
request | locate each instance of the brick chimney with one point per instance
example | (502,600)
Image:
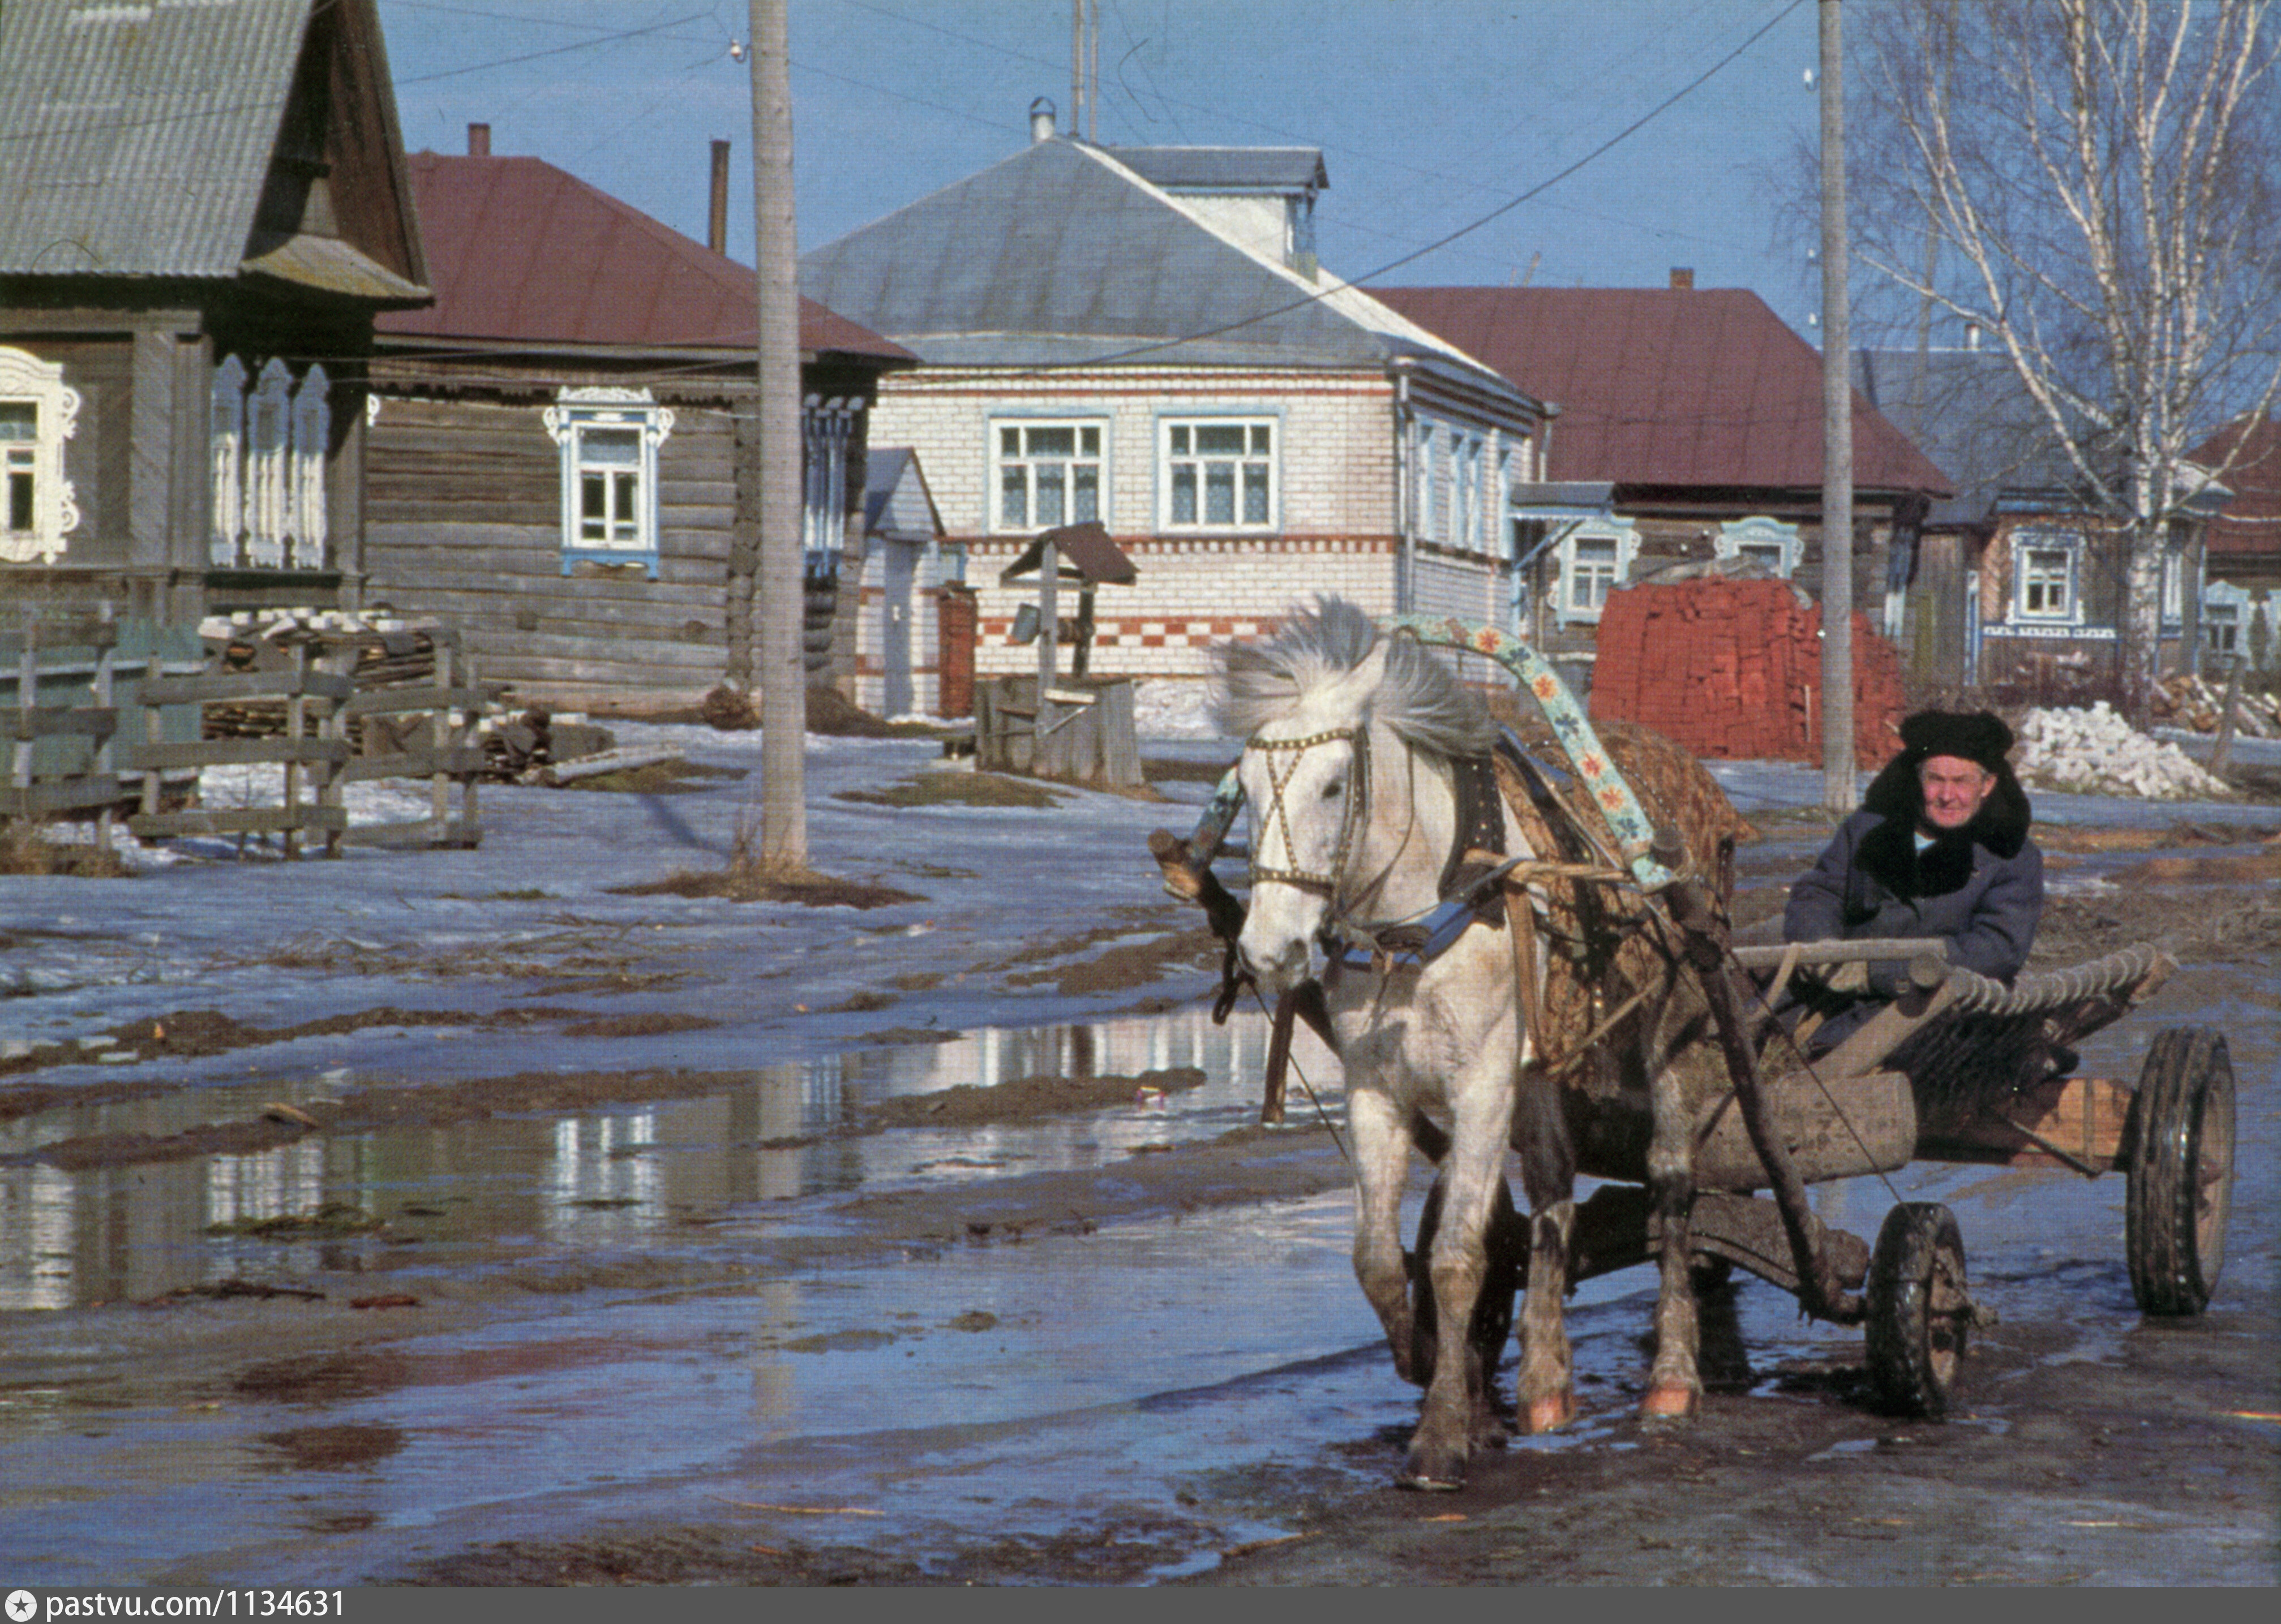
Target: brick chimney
(1682,276)
(717,221)
(479,141)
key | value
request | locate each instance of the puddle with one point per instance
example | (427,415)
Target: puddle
(592,1178)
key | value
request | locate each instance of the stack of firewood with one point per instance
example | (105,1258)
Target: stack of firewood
(2193,702)
(395,657)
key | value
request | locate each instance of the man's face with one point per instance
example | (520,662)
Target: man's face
(1953,790)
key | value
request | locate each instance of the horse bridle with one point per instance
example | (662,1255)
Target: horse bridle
(1351,818)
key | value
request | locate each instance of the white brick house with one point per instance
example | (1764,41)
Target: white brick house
(1140,335)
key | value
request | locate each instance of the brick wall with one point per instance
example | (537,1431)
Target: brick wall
(1732,670)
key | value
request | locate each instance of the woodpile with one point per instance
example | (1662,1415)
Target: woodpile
(376,659)
(2193,702)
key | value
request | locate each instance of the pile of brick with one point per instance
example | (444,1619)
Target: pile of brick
(1732,670)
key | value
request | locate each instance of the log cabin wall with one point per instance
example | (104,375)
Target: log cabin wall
(463,521)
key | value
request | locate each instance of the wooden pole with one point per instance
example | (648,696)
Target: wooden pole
(2221,752)
(782,587)
(1838,777)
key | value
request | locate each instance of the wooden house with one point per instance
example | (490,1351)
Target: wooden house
(2241,590)
(2014,584)
(203,206)
(1687,433)
(1142,338)
(561,455)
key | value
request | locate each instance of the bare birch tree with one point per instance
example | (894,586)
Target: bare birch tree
(2101,180)
(783,672)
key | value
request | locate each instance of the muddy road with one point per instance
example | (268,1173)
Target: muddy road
(475,1218)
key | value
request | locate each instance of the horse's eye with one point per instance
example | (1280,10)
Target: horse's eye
(1333,790)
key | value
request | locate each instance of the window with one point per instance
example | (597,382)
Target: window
(826,427)
(1765,539)
(2174,589)
(2043,576)
(1423,465)
(1466,492)
(1595,558)
(1220,473)
(38,412)
(269,442)
(2220,627)
(608,439)
(1049,474)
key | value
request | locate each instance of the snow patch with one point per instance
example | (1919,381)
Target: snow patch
(2095,751)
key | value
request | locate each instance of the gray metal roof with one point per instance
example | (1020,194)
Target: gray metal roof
(1063,256)
(1227,169)
(1978,423)
(134,138)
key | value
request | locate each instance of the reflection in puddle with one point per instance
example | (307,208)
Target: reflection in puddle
(590,1179)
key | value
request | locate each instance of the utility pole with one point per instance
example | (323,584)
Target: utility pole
(783,673)
(1837,774)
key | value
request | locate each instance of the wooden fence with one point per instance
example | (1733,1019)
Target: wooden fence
(115,768)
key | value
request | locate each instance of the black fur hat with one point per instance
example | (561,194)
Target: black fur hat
(2001,826)
(1978,736)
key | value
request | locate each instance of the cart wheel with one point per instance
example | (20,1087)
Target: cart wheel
(1919,1309)
(2181,1171)
(1507,1246)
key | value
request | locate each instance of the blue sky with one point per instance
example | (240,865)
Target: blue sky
(1431,113)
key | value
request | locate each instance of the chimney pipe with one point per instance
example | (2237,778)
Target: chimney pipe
(1682,276)
(1041,119)
(716,223)
(479,141)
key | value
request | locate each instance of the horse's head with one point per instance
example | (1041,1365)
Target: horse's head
(1321,703)
(1306,778)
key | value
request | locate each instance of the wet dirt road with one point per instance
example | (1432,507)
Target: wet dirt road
(833,1321)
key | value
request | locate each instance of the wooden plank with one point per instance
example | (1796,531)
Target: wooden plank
(49,720)
(2063,1122)
(454,759)
(63,795)
(278,751)
(455,832)
(393,701)
(236,685)
(253,820)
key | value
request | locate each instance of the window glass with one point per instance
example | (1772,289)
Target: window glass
(1220,474)
(19,420)
(1049,474)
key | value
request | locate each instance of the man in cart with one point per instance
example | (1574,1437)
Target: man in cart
(1939,849)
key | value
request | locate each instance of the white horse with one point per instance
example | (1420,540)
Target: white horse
(1350,734)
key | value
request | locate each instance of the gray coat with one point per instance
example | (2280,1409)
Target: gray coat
(1988,921)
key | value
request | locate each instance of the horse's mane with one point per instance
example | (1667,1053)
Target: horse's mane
(1424,706)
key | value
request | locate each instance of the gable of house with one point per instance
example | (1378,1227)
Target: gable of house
(212,140)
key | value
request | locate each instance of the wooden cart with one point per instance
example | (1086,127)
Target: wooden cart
(1959,1069)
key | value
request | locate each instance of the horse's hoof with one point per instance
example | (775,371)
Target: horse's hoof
(1432,1480)
(1552,1412)
(1669,1404)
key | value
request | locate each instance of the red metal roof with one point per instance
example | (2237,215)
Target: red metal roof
(519,251)
(2251,523)
(1668,385)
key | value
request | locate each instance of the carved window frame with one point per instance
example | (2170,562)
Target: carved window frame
(1754,537)
(578,423)
(32,482)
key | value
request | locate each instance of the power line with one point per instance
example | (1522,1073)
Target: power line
(1474,225)
(554,50)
